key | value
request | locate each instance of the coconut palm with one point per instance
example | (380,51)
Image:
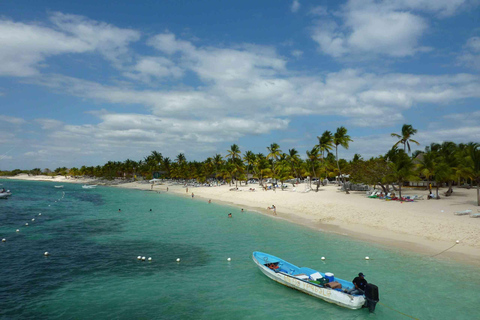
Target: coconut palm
(217,162)
(294,159)
(405,138)
(274,153)
(249,158)
(234,156)
(313,157)
(325,144)
(471,164)
(340,138)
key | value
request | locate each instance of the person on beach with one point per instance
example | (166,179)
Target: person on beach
(192,195)
(360,284)
(209,200)
(273,208)
(167,188)
(229,215)
(186,190)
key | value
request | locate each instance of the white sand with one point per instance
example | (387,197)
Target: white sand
(424,226)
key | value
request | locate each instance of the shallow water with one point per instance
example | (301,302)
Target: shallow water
(93,271)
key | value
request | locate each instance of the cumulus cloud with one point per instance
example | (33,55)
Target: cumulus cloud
(26,46)
(390,28)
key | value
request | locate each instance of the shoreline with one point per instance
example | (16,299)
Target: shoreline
(426,227)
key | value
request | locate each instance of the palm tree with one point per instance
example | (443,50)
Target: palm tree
(312,156)
(405,137)
(234,155)
(249,158)
(471,164)
(340,138)
(325,144)
(273,153)
(294,159)
(217,161)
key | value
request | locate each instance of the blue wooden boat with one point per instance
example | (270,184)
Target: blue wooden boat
(310,282)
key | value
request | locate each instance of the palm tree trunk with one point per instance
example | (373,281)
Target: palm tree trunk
(478,192)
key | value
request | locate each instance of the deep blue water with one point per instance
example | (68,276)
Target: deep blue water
(93,272)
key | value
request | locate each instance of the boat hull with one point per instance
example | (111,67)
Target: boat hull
(327,294)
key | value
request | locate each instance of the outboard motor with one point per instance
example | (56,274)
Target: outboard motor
(371,294)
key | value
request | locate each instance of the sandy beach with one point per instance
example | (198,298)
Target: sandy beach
(424,226)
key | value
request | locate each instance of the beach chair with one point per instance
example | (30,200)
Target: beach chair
(374,194)
(462,213)
(475,215)
(419,197)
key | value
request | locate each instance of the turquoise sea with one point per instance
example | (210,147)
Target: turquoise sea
(92,271)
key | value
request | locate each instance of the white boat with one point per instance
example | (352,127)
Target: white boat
(89,186)
(4,194)
(301,279)
(59,187)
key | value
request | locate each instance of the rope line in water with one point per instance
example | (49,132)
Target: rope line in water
(400,312)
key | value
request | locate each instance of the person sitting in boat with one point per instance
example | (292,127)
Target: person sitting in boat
(360,284)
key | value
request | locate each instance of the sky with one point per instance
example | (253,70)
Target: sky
(86,82)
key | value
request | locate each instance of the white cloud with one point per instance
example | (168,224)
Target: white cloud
(390,28)
(25,46)
(167,43)
(12,120)
(49,124)
(470,57)
(295,6)
(148,69)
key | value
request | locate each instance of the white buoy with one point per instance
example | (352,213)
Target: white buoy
(26,224)
(458,241)
(178,259)
(46,253)
(323,258)
(3,240)
(143,258)
(39,214)
(367,258)
(33,219)
(139,258)
(229,259)
(149,258)
(18,230)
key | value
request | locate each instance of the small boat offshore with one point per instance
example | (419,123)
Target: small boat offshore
(324,286)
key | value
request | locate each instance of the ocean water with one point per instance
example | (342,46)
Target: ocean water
(92,271)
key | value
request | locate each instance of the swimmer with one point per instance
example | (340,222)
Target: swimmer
(119,210)
(150,209)
(192,195)
(229,215)
(242,209)
(210,201)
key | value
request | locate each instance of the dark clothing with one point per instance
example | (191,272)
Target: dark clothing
(361,283)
